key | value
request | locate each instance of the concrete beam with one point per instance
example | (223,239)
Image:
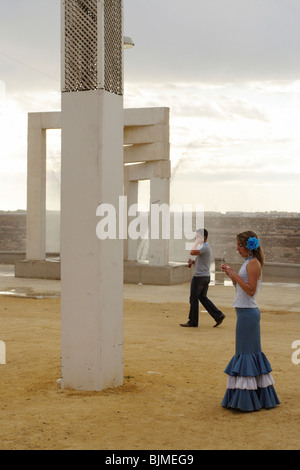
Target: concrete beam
(148,170)
(51,120)
(146,134)
(146,116)
(147,152)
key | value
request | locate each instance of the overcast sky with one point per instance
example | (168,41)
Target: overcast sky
(228,69)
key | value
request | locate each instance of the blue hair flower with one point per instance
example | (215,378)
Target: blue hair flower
(253,243)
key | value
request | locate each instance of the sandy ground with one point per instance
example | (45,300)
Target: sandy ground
(173,379)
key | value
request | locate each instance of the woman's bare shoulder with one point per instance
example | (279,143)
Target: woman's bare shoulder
(254,265)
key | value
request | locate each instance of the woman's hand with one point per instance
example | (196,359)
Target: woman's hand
(229,271)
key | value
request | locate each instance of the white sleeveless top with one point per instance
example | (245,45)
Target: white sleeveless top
(242,299)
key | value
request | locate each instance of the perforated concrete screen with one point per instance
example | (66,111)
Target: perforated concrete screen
(93,45)
(113,50)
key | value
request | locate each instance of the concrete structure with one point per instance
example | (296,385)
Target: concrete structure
(91,269)
(38,123)
(92,158)
(146,139)
(146,157)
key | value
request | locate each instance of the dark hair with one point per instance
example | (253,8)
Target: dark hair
(203,231)
(244,237)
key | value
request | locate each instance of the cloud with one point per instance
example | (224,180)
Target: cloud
(213,40)
(30,44)
(226,69)
(229,188)
(13,191)
(240,176)
(231,138)
(195,100)
(220,108)
(242,108)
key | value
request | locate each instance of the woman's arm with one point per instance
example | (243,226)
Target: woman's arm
(254,272)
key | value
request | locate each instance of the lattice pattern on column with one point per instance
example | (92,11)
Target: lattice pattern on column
(81,67)
(81,45)
(113,51)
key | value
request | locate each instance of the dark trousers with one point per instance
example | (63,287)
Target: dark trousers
(199,289)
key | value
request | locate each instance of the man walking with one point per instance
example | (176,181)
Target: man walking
(200,282)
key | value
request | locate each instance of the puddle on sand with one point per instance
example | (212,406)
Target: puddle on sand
(27,293)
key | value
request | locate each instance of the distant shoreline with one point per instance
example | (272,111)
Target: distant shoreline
(271,214)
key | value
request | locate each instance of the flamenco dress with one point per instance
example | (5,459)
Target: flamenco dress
(250,385)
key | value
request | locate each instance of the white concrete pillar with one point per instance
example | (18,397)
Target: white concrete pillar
(91,269)
(132,198)
(159,249)
(36,189)
(91,175)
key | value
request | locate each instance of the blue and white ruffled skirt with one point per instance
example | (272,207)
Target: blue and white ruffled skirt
(250,385)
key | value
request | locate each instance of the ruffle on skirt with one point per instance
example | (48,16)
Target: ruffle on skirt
(251,400)
(250,385)
(248,365)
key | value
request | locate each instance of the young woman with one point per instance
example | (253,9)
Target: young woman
(250,385)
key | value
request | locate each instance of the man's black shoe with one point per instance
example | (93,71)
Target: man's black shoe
(222,317)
